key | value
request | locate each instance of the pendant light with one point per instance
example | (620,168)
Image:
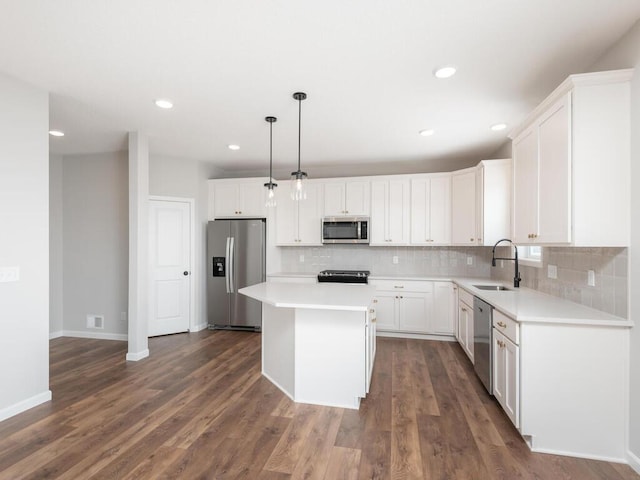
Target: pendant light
(271,186)
(298,190)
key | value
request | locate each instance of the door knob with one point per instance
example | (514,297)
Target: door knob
(185,273)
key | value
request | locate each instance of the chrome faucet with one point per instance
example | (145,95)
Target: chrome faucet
(516,277)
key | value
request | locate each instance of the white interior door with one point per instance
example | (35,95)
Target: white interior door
(169,266)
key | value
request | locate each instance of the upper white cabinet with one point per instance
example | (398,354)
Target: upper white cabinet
(237,198)
(431,210)
(346,198)
(390,212)
(463,207)
(493,201)
(571,162)
(299,222)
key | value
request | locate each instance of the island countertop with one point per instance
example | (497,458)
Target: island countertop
(321,296)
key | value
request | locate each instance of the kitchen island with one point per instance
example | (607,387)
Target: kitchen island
(318,340)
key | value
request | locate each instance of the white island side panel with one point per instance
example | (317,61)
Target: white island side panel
(278,347)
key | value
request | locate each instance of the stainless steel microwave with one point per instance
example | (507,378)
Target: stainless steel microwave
(345,230)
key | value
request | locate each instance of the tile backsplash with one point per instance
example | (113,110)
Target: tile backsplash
(379,260)
(610,293)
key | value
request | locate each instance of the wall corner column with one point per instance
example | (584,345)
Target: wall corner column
(138,244)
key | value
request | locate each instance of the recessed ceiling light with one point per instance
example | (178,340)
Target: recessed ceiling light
(498,126)
(56,133)
(164,103)
(427,133)
(445,72)
(234,147)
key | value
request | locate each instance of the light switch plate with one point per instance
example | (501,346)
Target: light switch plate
(301,258)
(552,271)
(395,259)
(469,260)
(9,274)
(591,278)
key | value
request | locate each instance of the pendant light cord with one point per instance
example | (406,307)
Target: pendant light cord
(299,128)
(270,151)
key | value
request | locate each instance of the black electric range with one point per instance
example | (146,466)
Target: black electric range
(344,276)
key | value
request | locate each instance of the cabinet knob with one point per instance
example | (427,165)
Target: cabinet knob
(471,239)
(371,310)
(375,300)
(502,325)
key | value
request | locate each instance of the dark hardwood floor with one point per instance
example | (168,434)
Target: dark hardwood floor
(198,408)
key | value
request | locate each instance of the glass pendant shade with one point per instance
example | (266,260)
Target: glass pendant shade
(270,200)
(298,187)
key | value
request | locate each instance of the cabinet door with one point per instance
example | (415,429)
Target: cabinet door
(386,310)
(225,200)
(506,375)
(524,218)
(465,328)
(415,310)
(378,229)
(309,218)
(463,208)
(440,210)
(420,207)
(442,320)
(357,198)
(286,219)
(251,200)
(334,199)
(398,212)
(554,174)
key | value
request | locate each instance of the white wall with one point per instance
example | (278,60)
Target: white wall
(625,54)
(176,177)
(95,243)
(24,242)
(55,246)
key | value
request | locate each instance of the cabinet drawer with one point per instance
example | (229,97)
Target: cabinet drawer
(465,297)
(507,326)
(403,285)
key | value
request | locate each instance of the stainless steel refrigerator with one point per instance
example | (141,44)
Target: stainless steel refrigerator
(235,259)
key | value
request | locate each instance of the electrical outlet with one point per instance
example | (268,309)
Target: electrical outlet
(552,271)
(95,321)
(591,278)
(301,258)
(469,260)
(9,274)
(395,259)
(123,317)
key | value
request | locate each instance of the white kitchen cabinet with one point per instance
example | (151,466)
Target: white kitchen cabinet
(390,214)
(493,201)
(346,198)
(371,330)
(431,210)
(571,163)
(237,198)
(465,322)
(403,305)
(299,223)
(506,371)
(444,309)
(463,207)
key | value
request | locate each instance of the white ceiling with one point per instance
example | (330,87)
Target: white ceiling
(366,66)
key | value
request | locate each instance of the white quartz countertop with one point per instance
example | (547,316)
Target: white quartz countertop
(526,305)
(322,296)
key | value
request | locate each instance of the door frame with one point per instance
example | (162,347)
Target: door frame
(192,267)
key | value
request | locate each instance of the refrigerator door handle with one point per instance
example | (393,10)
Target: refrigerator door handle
(232,252)
(227,264)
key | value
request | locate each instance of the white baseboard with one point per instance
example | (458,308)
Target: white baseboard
(134,357)
(602,458)
(57,334)
(122,337)
(418,336)
(634,461)
(20,407)
(198,328)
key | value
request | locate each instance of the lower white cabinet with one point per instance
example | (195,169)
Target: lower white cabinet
(464,332)
(506,370)
(414,306)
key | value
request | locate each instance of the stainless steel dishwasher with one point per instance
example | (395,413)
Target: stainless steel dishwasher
(482,342)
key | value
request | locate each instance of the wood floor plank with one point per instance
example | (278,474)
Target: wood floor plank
(343,464)
(198,408)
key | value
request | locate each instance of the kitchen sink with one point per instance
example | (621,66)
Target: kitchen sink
(497,288)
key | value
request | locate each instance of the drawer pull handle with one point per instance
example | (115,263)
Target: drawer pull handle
(398,286)
(502,325)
